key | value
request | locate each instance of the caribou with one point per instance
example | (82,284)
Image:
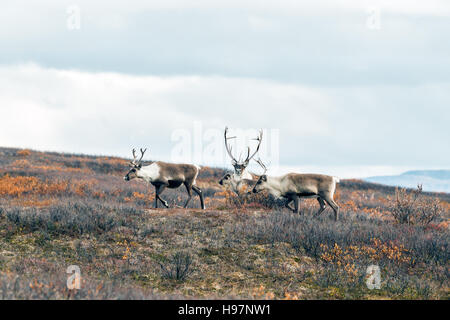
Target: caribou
(166,175)
(293,186)
(236,183)
(241,177)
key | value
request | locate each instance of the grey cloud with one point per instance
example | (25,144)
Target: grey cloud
(110,113)
(330,48)
(340,94)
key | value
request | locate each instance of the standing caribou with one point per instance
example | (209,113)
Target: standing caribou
(292,186)
(241,176)
(166,175)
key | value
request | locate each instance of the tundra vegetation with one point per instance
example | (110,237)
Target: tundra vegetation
(58,210)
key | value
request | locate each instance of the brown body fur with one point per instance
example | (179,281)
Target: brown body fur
(168,175)
(293,186)
(176,174)
(311,183)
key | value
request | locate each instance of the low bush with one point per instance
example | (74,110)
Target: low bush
(412,207)
(177,267)
(54,287)
(71,218)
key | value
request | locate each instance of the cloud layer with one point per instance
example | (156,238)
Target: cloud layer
(345,98)
(318,43)
(108,113)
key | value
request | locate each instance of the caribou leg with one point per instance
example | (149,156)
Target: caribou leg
(334,206)
(159,189)
(322,206)
(188,189)
(200,194)
(287,204)
(296,204)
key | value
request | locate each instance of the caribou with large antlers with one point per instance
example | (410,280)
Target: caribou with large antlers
(241,176)
(293,186)
(166,175)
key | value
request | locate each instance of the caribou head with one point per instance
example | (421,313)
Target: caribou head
(135,165)
(240,178)
(239,165)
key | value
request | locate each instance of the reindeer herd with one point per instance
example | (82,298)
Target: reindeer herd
(291,186)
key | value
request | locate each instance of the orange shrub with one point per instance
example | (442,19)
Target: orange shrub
(376,251)
(83,188)
(116,192)
(24,163)
(99,195)
(18,186)
(260,293)
(24,153)
(140,196)
(21,163)
(337,195)
(113,161)
(291,296)
(33,202)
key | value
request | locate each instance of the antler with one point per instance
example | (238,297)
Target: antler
(134,162)
(227,146)
(259,139)
(142,154)
(259,161)
(249,157)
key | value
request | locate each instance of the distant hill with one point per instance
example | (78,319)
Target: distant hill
(432,180)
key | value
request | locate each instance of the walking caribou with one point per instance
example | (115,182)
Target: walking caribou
(241,177)
(166,175)
(292,186)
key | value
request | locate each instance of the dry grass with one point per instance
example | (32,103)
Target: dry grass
(60,210)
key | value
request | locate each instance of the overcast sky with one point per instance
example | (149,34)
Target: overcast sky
(351,88)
